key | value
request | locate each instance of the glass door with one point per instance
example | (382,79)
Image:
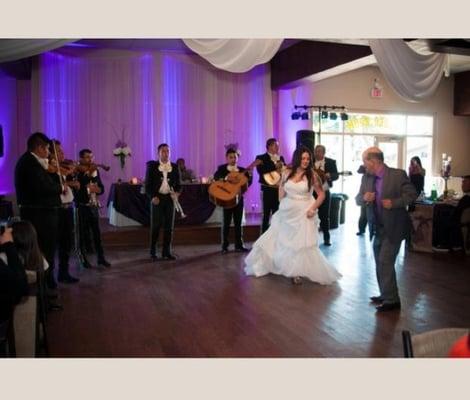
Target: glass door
(392,147)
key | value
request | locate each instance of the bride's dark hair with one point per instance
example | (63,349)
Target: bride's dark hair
(297,159)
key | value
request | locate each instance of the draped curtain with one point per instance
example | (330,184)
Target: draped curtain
(413,76)
(235,55)
(93,98)
(16,49)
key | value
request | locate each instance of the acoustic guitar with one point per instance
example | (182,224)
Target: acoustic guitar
(227,193)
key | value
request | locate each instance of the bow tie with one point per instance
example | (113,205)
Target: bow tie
(164,167)
(232,168)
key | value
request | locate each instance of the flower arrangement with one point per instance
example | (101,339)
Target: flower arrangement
(122,151)
(445,171)
(446,166)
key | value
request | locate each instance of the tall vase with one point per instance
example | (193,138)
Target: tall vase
(446,192)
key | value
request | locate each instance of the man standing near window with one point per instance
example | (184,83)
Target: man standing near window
(330,172)
(386,193)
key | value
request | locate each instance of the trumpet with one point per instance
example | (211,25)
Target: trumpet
(177,204)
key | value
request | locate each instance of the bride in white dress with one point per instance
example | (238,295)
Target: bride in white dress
(290,246)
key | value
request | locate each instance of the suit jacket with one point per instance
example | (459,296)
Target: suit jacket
(397,187)
(35,186)
(330,167)
(267,166)
(222,172)
(154,178)
(81,195)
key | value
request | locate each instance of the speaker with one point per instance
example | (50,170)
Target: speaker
(306,138)
(1,141)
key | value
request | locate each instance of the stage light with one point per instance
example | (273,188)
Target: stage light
(305,115)
(324,114)
(333,116)
(295,115)
(344,116)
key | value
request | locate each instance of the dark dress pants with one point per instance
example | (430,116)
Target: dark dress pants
(90,223)
(65,239)
(324,215)
(162,216)
(270,198)
(236,213)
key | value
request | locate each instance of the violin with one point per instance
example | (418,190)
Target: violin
(90,168)
(66,167)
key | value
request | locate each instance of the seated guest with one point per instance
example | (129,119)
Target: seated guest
(416,174)
(186,175)
(236,212)
(463,204)
(13,282)
(452,227)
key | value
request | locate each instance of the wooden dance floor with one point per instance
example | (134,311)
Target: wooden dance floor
(202,305)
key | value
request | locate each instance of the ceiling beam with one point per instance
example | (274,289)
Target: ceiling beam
(293,65)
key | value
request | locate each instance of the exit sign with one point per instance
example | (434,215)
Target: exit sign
(376,93)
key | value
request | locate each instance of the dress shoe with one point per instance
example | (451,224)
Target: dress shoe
(241,249)
(376,299)
(169,256)
(153,257)
(104,263)
(359,233)
(68,279)
(388,307)
(224,251)
(86,264)
(327,243)
(297,280)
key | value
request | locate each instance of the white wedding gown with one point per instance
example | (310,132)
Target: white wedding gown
(290,246)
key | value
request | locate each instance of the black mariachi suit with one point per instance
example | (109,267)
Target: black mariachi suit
(162,214)
(235,212)
(38,197)
(88,216)
(270,194)
(324,209)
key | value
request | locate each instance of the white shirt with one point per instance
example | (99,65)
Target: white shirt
(165,168)
(43,161)
(274,157)
(67,197)
(232,168)
(321,165)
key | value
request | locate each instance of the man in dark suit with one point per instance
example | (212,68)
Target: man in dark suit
(38,197)
(386,192)
(66,222)
(86,198)
(236,212)
(328,166)
(271,161)
(163,187)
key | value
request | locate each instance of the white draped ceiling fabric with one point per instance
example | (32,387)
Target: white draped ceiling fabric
(16,49)
(413,76)
(235,55)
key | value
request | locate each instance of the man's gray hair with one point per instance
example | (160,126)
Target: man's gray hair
(375,155)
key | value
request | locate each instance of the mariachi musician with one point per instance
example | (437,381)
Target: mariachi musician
(222,173)
(38,196)
(269,171)
(88,204)
(163,187)
(66,218)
